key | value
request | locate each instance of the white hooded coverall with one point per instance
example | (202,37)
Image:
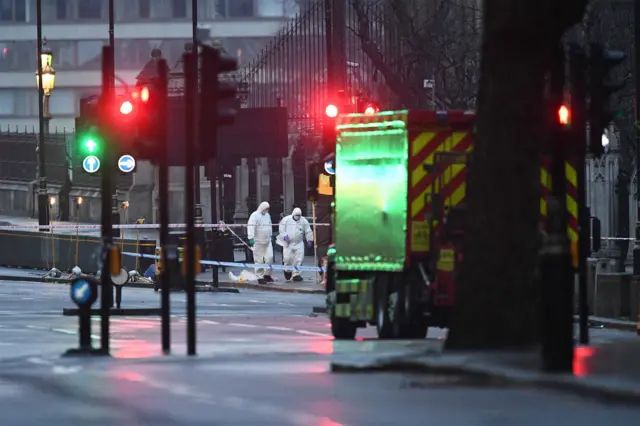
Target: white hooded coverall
(293,249)
(259,230)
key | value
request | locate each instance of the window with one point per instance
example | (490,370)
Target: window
(240,8)
(13,10)
(20,12)
(179,8)
(61,10)
(7,100)
(90,9)
(221,8)
(63,102)
(144,9)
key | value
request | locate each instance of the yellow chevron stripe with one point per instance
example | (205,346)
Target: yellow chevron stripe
(418,204)
(571,174)
(421,141)
(572,206)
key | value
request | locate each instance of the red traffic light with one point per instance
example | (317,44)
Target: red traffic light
(126,108)
(564,115)
(144,94)
(371,109)
(331,111)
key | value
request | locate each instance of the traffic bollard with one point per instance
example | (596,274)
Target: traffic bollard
(84,293)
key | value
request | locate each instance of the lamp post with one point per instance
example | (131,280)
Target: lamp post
(48,79)
(43,209)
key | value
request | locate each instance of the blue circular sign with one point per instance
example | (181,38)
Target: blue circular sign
(328,167)
(91,164)
(126,163)
(81,292)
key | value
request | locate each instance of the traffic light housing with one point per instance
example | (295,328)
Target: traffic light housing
(329,134)
(89,140)
(212,93)
(601,87)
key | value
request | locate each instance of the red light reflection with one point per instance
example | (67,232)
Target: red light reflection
(581,357)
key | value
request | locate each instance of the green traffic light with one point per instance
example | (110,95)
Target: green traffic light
(91,145)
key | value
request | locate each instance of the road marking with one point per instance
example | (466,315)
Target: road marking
(209,322)
(235,324)
(273,327)
(286,304)
(257,301)
(59,369)
(37,327)
(39,361)
(288,416)
(312,333)
(62,330)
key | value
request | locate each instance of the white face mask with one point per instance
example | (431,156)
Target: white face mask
(296,218)
(264,212)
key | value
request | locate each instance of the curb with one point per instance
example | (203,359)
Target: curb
(36,279)
(276,288)
(611,323)
(591,387)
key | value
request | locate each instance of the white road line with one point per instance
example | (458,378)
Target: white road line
(257,301)
(209,322)
(273,327)
(39,361)
(285,304)
(235,324)
(62,330)
(312,333)
(37,327)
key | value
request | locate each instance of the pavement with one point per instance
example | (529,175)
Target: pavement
(263,359)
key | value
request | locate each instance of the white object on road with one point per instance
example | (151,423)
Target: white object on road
(243,277)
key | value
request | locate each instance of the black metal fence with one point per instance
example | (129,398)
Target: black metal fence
(400,54)
(19,160)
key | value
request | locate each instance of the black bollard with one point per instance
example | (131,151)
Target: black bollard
(118,296)
(84,293)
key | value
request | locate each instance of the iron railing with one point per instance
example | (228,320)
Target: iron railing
(398,53)
(19,159)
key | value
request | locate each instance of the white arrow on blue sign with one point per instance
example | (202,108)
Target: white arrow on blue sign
(126,163)
(81,292)
(328,167)
(91,164)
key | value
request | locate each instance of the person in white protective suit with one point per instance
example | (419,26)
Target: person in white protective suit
(293,229)
(259,232)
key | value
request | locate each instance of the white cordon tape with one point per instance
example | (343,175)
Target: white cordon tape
(132,226)
(238,264)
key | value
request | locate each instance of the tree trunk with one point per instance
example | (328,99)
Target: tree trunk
(497,294)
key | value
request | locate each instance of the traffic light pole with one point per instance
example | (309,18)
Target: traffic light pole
(115,210)
(163,195)
(636,244)
(555,262)
(577,67)
(196,169)
(191,85)
(106,176)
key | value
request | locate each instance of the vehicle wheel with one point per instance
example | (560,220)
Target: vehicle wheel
(342,328)
(383,322)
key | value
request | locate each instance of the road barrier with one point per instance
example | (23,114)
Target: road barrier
(143,226)
(46,250)
(237,264)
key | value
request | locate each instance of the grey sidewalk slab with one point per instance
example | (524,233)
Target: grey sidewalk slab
(609,371)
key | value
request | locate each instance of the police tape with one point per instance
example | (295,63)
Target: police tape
(237,264)
(133,226)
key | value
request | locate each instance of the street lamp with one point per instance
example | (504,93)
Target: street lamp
(48,79)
